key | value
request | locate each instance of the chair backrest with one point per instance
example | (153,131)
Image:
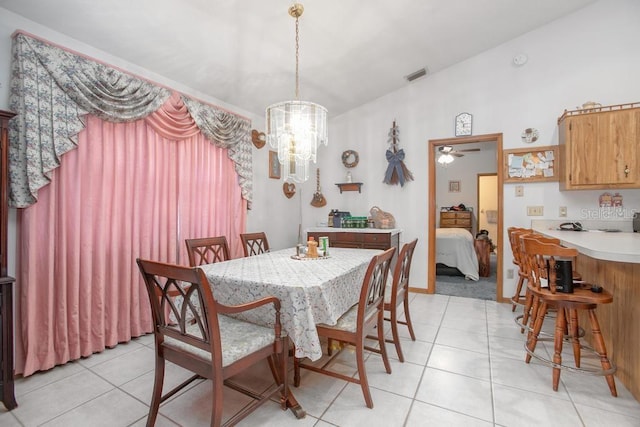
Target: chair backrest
(207,250)
(180,298)
(371,302)
(539,258)
(400,284)
(254,243)
(514,241)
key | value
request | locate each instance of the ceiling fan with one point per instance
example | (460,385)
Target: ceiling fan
(448,149)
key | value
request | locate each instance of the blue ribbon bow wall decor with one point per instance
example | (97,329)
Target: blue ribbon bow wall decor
(397,171)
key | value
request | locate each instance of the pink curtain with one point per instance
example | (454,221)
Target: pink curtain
(125,192)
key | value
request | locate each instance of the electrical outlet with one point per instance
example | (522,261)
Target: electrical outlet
(563,211)
(535,210)
(519,190)
(510,273)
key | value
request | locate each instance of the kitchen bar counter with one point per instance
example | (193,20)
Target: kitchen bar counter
(612,260)
(618,246)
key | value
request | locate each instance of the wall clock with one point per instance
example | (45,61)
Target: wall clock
(463,124)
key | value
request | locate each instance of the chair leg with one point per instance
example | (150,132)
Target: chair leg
(296,371)
(528,310)
(532,315)
(362,375)
(575,336)
(516,295)
(561,324)
(156,396)
(216,408)
(383,347)
(600,347)
(407,317)
(532,339)
(394,333)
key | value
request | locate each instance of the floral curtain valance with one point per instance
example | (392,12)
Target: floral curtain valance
(52,89)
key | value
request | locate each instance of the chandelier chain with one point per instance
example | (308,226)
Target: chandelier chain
(297,59)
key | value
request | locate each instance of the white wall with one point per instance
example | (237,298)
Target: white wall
(590,55)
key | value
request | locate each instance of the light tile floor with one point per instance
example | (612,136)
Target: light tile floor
(465,368)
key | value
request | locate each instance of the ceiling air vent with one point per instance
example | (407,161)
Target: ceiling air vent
(416,75)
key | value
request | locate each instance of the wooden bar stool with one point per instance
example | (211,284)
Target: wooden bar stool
(514,240)
(539,259)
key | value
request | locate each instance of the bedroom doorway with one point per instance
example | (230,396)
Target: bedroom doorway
(436,148)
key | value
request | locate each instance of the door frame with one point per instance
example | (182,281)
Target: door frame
(431,206)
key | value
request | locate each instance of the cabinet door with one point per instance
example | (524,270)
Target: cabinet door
(602,149)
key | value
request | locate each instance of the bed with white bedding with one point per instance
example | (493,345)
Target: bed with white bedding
(454,248)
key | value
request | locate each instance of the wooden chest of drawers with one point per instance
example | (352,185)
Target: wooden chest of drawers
(457,219)
(343,238)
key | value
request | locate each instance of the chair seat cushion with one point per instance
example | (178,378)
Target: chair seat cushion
(347,322)
(238,338)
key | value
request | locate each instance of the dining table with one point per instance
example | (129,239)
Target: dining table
(311,291)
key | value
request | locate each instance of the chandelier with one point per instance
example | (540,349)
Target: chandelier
(296,128)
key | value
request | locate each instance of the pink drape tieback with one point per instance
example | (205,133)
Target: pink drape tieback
(173,121)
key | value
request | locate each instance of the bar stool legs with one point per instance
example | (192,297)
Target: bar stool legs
(598,342)
(559,336)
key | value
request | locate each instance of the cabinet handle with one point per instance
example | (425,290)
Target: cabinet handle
(626,171)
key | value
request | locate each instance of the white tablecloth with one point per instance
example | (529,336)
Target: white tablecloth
(310,291)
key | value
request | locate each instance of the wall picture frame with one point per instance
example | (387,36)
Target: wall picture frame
(454,186)
(274,165)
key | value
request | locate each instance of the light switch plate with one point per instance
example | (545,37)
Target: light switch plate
(519,190)
(563,211)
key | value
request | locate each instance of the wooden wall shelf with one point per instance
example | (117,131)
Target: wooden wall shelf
(350,186)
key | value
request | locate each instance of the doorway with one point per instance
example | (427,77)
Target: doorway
(433,209)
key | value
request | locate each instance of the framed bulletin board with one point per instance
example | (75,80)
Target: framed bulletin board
(531,164)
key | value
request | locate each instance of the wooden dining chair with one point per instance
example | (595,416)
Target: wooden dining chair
(254,243)
(397,294)
(207,250)
(540,260)
(354,326)
(194,331)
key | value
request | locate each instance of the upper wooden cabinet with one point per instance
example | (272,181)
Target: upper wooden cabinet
(599,148)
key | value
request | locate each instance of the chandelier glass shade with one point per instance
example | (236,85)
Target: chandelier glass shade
(296,128)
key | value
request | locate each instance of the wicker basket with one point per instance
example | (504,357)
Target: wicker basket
(382,219)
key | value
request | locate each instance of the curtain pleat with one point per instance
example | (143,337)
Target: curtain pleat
(125,193)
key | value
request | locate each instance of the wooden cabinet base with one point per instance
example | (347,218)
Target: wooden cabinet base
(618,320)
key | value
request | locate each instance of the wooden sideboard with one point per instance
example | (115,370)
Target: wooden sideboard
(363,238)
(457,219)
(6,283)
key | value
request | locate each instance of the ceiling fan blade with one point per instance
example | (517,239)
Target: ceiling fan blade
(466,150)
(454,153)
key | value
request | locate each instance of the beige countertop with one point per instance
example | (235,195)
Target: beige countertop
(619,246)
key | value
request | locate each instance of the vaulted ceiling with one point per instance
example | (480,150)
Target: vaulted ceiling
(243,53)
